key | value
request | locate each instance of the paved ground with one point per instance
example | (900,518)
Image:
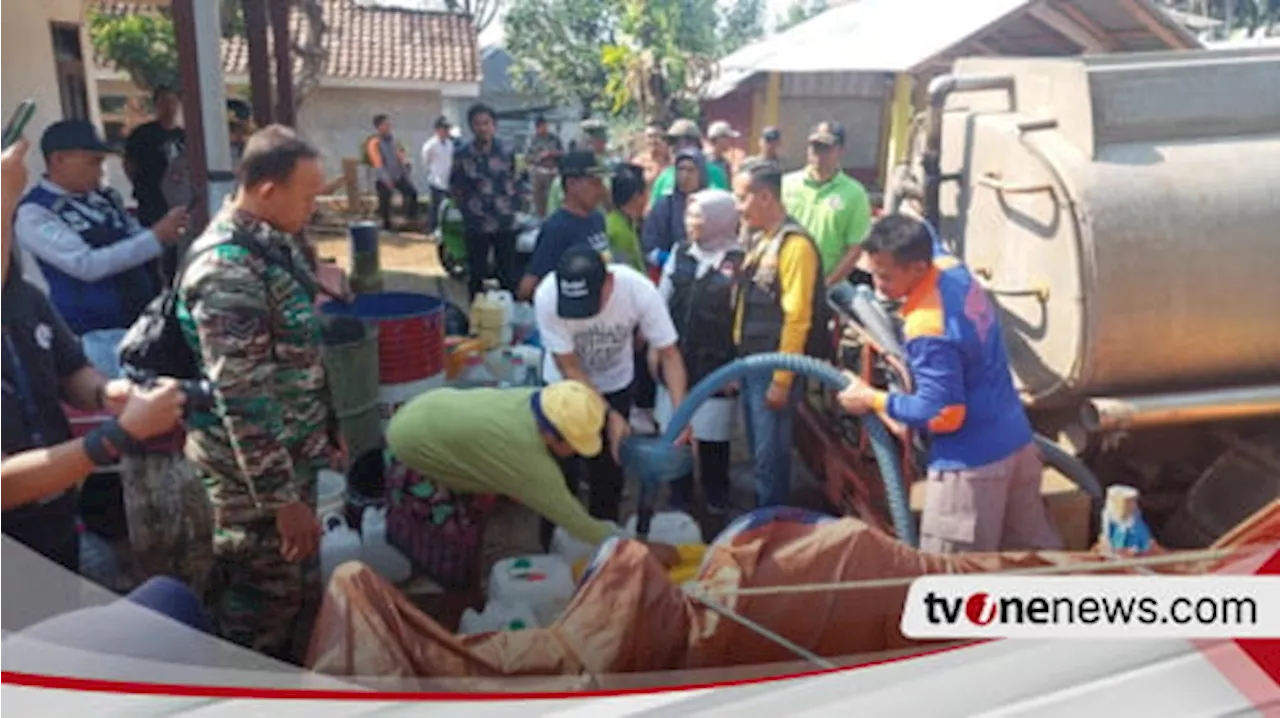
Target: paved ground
(409,262)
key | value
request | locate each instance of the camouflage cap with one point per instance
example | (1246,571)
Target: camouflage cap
(595,127)
(684,129)
(827,133)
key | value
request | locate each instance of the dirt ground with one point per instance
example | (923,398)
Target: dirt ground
(410,263)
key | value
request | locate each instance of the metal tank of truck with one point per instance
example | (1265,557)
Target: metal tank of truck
(1123,212)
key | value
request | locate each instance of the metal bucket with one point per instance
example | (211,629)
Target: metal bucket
(351,363)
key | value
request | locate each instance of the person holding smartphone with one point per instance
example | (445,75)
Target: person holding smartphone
(90,256)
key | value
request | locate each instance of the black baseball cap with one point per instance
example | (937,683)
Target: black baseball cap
(238,109)
(581,163)
(827,133)
(580,279)
(443,121)
(69,135)
(772,134)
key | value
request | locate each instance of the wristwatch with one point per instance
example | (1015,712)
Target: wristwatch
(107,443)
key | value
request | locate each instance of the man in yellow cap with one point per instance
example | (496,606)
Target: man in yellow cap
(508,441)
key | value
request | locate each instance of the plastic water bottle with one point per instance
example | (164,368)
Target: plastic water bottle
(375,551)
(518,374)
(1124,531)
(475,374)
(503,304)
(571,550)
(525,321)
(340,544)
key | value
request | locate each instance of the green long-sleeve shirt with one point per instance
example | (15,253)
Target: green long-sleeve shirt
(487,441)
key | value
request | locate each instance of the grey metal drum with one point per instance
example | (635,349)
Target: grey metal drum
(1125,214)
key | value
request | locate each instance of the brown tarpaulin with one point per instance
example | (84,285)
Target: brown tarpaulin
(628,617)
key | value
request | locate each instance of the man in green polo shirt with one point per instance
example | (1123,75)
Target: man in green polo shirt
(833,206)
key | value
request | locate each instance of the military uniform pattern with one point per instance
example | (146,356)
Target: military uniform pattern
(255,330)
(255,597)
(169,517)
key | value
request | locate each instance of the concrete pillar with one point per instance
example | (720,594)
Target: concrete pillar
(203,43)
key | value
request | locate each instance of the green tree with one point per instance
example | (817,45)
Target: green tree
(799,11)
(663,57)
(555,48)
(741,23)
(646,58)
(482,12)
(143,44)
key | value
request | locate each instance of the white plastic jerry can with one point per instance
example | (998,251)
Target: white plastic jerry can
(377,553)
(340,544)
(506,303)
(571,550)
(675,528)
(543,582)
(498,617)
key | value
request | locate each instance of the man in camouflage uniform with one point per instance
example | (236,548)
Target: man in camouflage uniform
(253,325)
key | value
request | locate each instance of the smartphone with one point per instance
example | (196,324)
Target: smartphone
(17,123)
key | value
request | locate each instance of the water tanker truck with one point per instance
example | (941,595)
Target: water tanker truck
(1123,212)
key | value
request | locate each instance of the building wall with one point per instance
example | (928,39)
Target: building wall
(857,101)
(338,120)
(28,69)
(736,108)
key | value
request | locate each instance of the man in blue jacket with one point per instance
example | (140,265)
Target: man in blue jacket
(80,246)
(983,490)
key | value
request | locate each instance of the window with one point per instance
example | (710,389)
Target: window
(69,65)
(113,104)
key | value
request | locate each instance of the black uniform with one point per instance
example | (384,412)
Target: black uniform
(39,352)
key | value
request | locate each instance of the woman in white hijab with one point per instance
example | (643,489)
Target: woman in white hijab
(698,283)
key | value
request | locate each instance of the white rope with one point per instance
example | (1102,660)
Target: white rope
(759,629)
(700,590)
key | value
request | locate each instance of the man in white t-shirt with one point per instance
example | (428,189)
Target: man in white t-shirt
(437,159)
(588,314)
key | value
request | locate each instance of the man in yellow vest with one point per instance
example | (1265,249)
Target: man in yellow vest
(779,307)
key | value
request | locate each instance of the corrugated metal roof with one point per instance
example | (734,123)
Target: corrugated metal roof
(901,35)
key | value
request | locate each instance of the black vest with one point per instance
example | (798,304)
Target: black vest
(702,310)
(759,290)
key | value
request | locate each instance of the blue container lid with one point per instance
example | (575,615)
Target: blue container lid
(386,305)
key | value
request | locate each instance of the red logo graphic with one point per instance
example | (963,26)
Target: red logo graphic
(980,609)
